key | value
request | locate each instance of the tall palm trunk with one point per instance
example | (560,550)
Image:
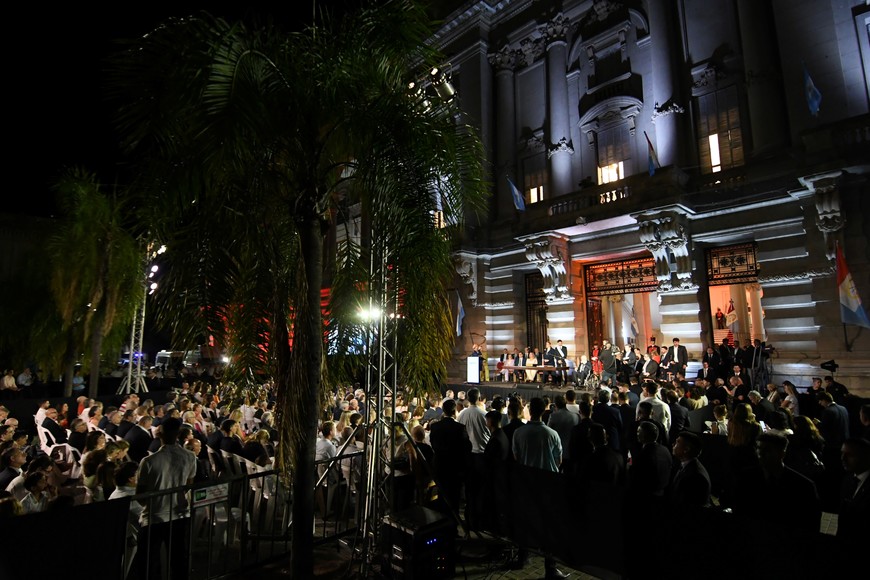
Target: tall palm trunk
(96,350)
(309,329)
(69,366)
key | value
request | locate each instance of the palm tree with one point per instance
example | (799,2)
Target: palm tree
(252,142)
(96,273)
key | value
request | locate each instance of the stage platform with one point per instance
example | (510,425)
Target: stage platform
(525,390)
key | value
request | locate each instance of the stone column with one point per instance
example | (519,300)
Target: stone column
(504,62)
(560,146)
(763,82)
(664,138)
(756,313)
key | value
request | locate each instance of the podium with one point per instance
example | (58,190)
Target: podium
(472,370)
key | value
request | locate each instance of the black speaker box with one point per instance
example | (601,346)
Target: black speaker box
(418,543)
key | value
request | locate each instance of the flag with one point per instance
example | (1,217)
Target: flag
(731,318)
(814,97)
(653,158)
(851,311)
(460,314)
(519,200)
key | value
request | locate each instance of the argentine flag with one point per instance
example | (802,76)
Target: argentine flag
(519,200)
(851,311)
(460,314)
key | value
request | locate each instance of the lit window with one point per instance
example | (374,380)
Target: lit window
(438,219)
(720,138)
(536,194)
(610,173)
(715,160)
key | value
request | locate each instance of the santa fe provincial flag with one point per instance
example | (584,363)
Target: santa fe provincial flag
(851,311)
(731,317)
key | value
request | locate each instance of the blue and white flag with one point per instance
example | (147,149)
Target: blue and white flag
(851,310)
(460,314)
(814,97)
(519,200)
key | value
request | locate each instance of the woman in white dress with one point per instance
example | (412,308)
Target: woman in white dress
(532,361)
(791,401)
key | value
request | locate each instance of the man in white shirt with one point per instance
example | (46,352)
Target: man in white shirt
(165,519)
(660,411)
(473,418)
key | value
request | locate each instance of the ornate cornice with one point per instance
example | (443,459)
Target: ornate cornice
(811,274)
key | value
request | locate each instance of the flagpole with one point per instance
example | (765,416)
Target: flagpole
(846,339)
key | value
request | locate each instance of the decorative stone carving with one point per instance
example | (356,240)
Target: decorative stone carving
(534,143)
(556,30)
(466,267)
(669,108)
(530,50)
(796,276)
(548,254)
(826,191)
(563,146)
(601,11)
(503,60)
(498,305)
(665,234)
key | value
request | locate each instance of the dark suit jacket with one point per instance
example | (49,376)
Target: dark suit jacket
(581,448)
(834,426)
(652,369)
(650,471)
(797,505)
(77,440)
(233,445)
(854,512)
(679,420)
(711,374)
(763,410)
(680,358)
(58,433)
(214,440)
(123,428)
(450,442)
(691,485)
(611,419)
(605,465)
(139,440)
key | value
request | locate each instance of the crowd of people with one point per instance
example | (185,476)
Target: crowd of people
(91,452)
(635,434)
(632,430)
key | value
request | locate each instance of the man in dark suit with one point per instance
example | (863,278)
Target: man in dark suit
(804,511)
(855,496)
(691,483)
(834,422)
(520,360)
(650,368)
(605,465)
(650,471)
(679,415)
(139,437)
(707,372)
(604,414)
(761,407)
(676,358)
(57,432)
(231,440)
(451,445)
(127,422)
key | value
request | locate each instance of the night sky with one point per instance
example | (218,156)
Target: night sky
(56,110)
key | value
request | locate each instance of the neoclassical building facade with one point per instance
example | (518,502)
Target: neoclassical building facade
(671,165)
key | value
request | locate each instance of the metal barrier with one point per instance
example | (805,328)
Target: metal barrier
(235,523)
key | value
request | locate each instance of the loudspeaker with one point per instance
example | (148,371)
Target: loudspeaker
(418,543)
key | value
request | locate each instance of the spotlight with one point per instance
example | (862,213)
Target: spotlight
(441,83)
